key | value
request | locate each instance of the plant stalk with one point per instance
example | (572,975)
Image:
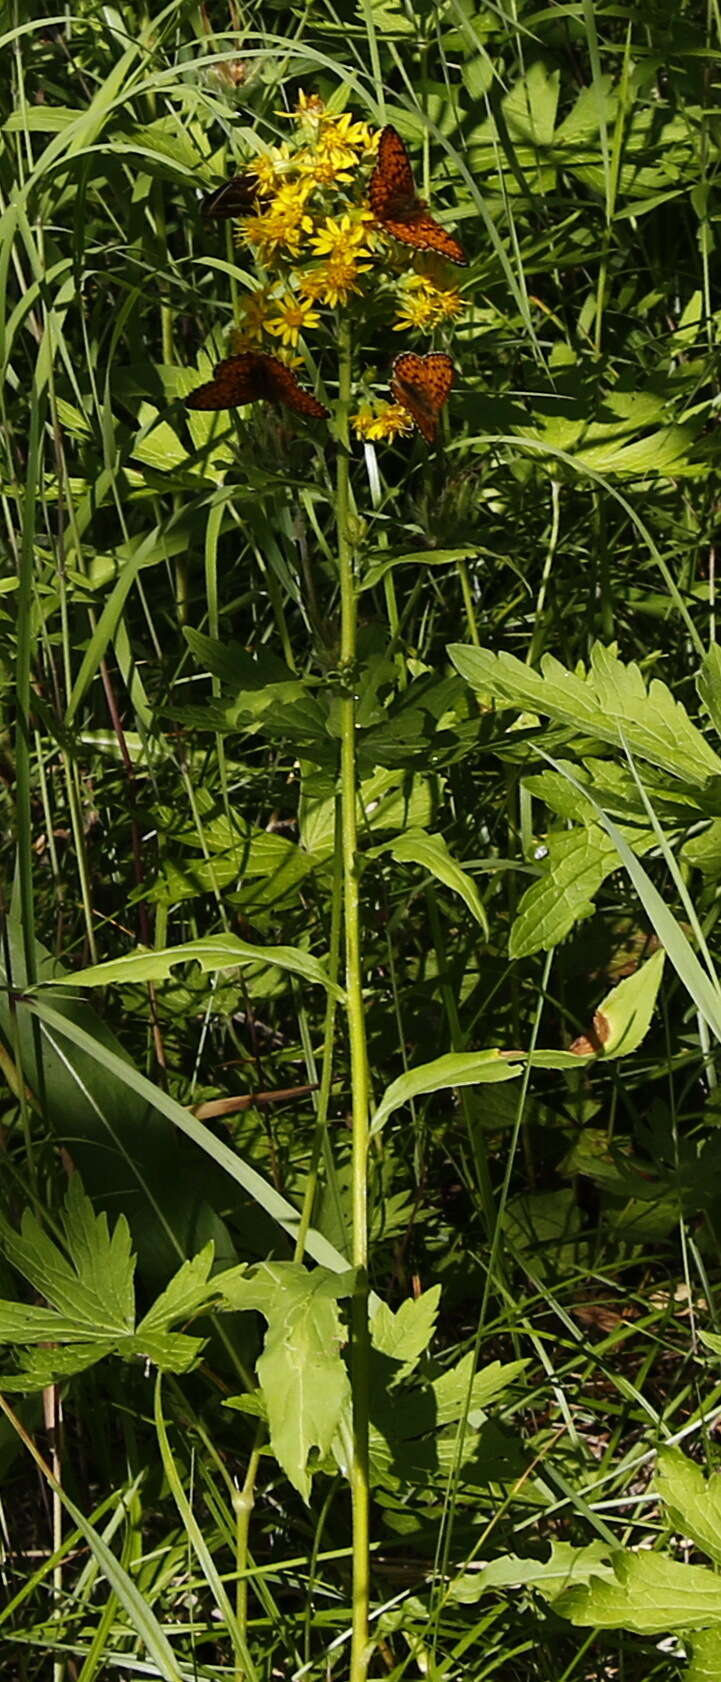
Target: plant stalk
(360,1343)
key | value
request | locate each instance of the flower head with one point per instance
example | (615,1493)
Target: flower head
(381,421)
(333,282)
(294,316)
(342,236)
(424,304)
(283,226)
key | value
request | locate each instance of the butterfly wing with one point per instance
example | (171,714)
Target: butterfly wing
(284,387)
(236,197)
(396,205)
(252,375)
(391,191)
(421,384)
(238,379)
(425,234)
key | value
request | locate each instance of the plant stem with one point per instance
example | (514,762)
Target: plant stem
(311,1184)
(356,1030)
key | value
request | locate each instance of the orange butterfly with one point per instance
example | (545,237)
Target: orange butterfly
(236,197)
(396,205)
(250,376)
(421,384)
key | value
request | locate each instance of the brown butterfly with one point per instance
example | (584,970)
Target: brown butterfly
(396,205)
(252,375)
(421,384)
(236,197)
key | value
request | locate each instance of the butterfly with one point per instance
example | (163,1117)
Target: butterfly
(252,375)
(396,205)
(236,197)
(421,385)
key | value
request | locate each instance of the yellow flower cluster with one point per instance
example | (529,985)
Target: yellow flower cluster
(381,421)
(425,304)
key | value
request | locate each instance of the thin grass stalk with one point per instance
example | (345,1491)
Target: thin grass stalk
(360,1343)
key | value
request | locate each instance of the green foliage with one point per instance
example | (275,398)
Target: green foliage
(536,697)
(87,1279)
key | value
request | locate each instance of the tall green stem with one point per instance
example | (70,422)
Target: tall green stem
(356,1029)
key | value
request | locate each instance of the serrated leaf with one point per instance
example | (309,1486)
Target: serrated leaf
(303,1377)
(578,862)
(610,702)
(214,952)
(189,1289)
(692,1502)
(430,851)
(649,1594)
(454,1069)
(403,1336)
(91,1286)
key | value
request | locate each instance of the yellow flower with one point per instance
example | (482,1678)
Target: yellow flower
(424,304)
(283,226)
(385,420)
(332,282)
(271,168)
(309,105)
(254,311)
(342,236)
(294,316)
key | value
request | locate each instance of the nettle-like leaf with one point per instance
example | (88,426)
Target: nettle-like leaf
(86,1277)
(610,702)
(404,1335)
(303,1377)
(653,1594)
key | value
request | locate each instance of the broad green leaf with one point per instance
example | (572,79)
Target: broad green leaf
(430,851)
(692,1502)
(708,684)
(705,1663)
(649,1594)
(704,851)
(565,1567)
(403,1336)
(471,1068)
(214,952)
(90,1286)
(611,702)
(579,860)
(623,1019)
(302,1373)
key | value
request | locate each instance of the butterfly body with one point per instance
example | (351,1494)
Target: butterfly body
(397,206)
(253,376)
(421,384)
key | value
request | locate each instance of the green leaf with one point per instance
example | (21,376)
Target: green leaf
(304,1379)
(579,860)
(705,1663)
(649,1594)
(379,564)
(214,952)
(91,1286)
(610,703)
(565,1567)
(403,1336)
(430,851)
(454,1069)
(708,684)
(692,1502)
(624,1018)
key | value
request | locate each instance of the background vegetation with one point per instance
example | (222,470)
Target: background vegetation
(535,705)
